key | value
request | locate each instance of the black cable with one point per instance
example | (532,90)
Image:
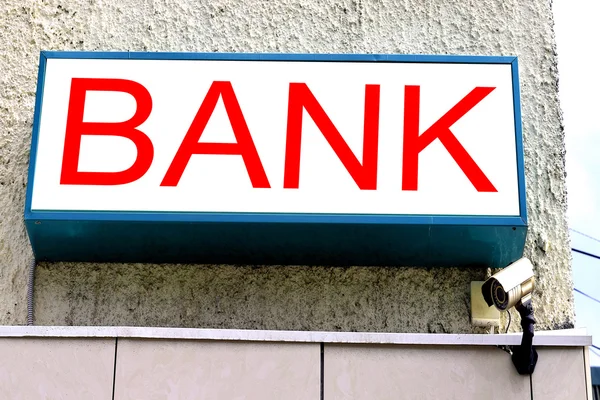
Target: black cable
(595,352)
(589,237)
(585,253)
(584,234)
(586,295)
(507,349)
(594,346)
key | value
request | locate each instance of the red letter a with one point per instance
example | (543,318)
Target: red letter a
(128,129)
(244,146)
(301,98)
(414,144)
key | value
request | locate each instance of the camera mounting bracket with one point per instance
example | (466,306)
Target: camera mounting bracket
(525,356)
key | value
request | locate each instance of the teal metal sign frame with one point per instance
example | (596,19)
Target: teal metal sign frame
(277,238)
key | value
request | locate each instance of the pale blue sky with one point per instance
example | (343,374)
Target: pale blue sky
(578,38)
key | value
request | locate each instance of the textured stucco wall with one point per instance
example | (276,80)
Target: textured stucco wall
(318,298)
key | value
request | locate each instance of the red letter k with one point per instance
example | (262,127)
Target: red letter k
(414,144)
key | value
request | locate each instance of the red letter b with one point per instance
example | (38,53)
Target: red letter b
(127,129)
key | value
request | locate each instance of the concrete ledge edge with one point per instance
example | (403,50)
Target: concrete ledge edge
(567,337)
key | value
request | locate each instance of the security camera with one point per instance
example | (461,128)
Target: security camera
(511,286)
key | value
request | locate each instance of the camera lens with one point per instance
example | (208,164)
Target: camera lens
(499,295)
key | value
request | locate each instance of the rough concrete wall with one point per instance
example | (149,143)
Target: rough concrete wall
(318,298)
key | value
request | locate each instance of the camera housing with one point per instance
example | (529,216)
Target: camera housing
(511,286)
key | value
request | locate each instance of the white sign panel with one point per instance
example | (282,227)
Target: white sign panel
(277,137)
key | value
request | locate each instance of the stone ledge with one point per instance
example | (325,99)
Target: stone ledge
(566,337)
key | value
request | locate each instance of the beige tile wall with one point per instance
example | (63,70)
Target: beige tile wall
(157,369)
(32,369)
(77,369)
(416,372)
(559,374)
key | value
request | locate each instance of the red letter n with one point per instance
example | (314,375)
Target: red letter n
(128,129)
(244,146)
(300,98)
(414,144)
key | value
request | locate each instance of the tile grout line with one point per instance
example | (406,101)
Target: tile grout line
(115,368)
(322,371)
(531,385)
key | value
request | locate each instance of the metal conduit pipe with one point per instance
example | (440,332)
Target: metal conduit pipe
(30,292)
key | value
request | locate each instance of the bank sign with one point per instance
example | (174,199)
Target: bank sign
(277,159)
